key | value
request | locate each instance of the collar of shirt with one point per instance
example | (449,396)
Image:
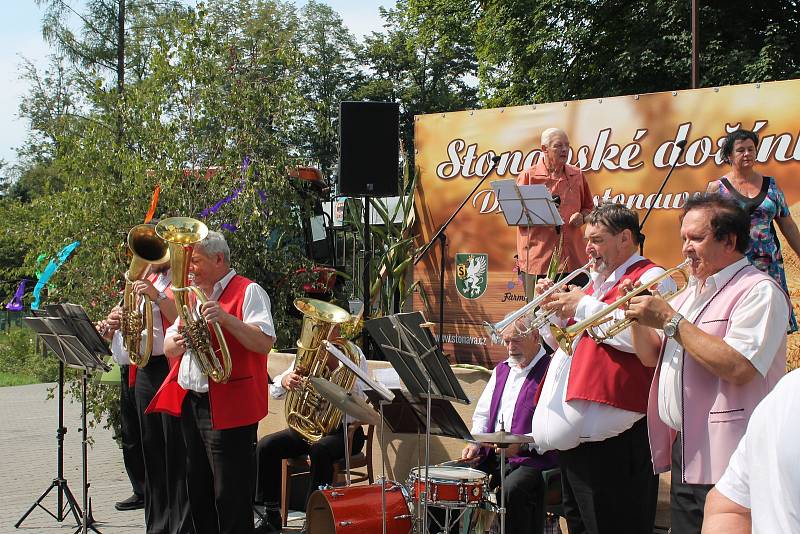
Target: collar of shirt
(601,288)
(527,368)
(163,280)
(718,279)
(221,284)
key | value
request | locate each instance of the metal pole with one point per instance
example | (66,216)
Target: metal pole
(695,60)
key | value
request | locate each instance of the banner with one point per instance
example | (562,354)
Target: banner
(624,145)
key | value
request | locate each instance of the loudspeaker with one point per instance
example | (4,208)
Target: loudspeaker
(369,148)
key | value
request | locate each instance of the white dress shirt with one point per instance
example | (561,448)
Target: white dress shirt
(255,311)
(562,425)
(277,391)
(118,352)
(752,329)
(508,400)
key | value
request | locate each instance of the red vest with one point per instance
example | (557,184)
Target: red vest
(242,400)
(164,325)
(601,373)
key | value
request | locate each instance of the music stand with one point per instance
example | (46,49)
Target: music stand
(419,361)
(59,482)
(527,206)
(69,332)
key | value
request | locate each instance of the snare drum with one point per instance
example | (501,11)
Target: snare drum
(449,485)
(357,510)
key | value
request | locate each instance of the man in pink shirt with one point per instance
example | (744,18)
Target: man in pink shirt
(718,348)
(535,245)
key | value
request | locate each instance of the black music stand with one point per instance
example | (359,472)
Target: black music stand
(70,334)
(59,482)
(410,348)
(527,206)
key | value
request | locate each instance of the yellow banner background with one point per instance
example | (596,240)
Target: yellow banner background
(623,144)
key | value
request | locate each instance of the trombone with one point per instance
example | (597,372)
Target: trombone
(494,330)
(566,336)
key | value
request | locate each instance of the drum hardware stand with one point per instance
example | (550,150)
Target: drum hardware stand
(502,510)
(59,483)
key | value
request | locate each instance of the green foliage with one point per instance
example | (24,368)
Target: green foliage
(19,357)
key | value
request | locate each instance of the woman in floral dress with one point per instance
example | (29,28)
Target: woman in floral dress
(761,197)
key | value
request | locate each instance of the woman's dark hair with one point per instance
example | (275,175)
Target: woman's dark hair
(727,218)
(730,140)
(616,218)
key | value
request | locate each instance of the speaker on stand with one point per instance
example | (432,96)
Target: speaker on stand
(369,153)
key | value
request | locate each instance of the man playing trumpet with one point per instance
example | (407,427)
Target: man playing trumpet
(718,348)
(593,403)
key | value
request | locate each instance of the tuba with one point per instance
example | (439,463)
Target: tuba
(146,248)
(307,412)
(181,233)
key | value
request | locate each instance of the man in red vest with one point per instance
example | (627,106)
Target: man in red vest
(160,438)
(593,403)
(220,420)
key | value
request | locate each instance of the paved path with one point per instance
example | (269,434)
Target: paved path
(28,465)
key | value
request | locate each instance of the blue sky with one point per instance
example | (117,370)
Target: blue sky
(21,37)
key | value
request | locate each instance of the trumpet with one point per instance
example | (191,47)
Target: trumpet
(566,336)
(494,330)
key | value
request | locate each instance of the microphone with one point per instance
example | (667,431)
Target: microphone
(680,144)
(496,159)
(557,200)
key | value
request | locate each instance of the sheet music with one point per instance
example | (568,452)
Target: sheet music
(526,205)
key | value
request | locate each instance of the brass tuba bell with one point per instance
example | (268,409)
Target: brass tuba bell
(181,233)
(146,249)
(307,412)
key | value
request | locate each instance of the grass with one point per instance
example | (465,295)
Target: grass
(15,379)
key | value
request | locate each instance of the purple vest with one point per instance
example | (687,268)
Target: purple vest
(717,411)
(523,412)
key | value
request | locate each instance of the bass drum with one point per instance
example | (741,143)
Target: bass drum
(357,510)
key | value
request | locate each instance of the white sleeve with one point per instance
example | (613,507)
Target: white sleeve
(276,389)
(256,309)
(480,417)
(758,325)
(735,481)
(118,351)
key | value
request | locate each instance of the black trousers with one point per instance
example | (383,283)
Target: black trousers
(523,492)
(288,444)
(687,501)
(220,467)
(132,455)
(166,502)
(609,486)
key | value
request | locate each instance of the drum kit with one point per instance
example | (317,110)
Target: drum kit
(453,489)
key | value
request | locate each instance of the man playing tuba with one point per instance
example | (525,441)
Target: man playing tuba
(289,443)
(220,419)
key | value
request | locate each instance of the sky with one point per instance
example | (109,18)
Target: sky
(21,37)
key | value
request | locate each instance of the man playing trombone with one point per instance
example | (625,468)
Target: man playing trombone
(718,348)
(593,402)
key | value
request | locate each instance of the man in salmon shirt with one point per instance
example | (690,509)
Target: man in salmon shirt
(535,245)
(220,420)
(718,348)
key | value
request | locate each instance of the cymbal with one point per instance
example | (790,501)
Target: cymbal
(345,401)
(502,438)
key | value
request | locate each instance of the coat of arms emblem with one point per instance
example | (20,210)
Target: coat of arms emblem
(472,274)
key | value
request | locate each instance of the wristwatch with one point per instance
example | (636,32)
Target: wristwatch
(671,328)
(161,296)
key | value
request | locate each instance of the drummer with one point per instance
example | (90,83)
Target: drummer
(288,443)
(508,403)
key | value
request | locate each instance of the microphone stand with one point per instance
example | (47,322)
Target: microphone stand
(680,144)
(441,237)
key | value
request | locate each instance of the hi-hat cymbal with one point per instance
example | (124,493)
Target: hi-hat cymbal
(344,400)
(502,438)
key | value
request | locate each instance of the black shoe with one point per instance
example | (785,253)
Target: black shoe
(134,502)
(264,527)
